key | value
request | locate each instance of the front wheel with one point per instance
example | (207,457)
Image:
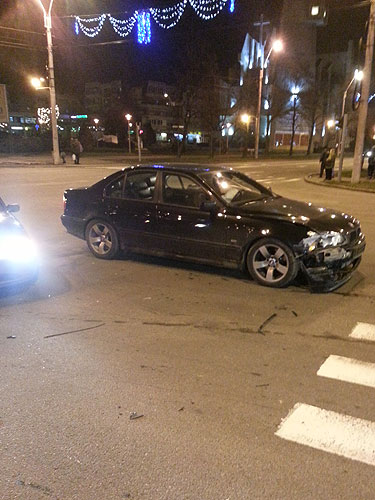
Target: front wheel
(272,263)
(102,239)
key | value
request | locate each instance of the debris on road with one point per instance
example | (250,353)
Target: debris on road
(295,314)
(74,331)
(134,415)
(11,337)
(260,329)
(182,408)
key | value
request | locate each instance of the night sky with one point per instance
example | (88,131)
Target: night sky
(79,59)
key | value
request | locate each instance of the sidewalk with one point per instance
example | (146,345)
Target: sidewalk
(364,184)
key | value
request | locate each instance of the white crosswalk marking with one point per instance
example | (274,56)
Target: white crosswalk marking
(348,370)
(331,432)
(364,331)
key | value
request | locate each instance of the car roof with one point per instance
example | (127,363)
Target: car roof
(182,167)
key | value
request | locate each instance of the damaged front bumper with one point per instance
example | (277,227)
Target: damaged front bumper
(329,268)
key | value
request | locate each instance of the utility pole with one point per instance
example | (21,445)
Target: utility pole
(363,104)
(260,85)
(138,128)
(51,82)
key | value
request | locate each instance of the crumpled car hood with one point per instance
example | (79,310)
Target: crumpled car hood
(314,217)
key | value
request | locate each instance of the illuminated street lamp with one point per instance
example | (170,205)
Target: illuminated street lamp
(96,121)
(358,76)
(38,83)
(277,46)
(331,123)
(51,80)
(129,117)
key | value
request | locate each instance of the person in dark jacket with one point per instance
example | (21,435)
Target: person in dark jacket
(323,158)
(330,163)
(371,164)
(76,148)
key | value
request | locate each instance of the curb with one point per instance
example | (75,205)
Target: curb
(309,178)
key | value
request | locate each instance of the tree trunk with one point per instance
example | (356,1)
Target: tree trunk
(311,135)
(268,138)
(212,146)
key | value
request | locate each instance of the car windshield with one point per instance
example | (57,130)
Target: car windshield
(235,188)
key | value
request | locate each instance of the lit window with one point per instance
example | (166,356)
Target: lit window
(315,10)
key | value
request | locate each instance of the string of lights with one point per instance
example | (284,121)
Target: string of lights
(123,27)
(166,18)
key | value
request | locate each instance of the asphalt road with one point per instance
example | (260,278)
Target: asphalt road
(178,344)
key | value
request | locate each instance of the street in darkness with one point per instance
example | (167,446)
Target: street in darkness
(146,378)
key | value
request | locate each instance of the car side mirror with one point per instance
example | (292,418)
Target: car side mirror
(210,206)
(13,208)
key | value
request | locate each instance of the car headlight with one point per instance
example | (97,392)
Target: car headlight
(323,240)
(17,248)
(368,153)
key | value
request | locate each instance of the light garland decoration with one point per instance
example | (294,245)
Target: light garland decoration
(166,18)
(123,28)
(44,115)
(207,9)
(90,31)
(144,27)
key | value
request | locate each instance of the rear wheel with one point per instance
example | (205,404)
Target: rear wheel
(102,239)
(272,263)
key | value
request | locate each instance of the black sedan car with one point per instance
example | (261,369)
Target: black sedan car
(18,255)
(216,216)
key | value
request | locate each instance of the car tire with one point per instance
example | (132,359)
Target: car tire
(272,263)
(102,240)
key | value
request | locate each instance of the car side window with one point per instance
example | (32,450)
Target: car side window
(114,189)
(140,185)
(181,190)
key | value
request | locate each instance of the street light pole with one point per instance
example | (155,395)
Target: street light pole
(363,103)
(276,46)
(358,75)
(129,117)
(52,91)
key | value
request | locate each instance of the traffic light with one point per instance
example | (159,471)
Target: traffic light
(140,132)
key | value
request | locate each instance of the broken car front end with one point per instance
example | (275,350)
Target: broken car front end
(328,259)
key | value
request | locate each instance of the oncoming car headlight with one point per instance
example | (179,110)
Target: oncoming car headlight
(322,240)
(17,248)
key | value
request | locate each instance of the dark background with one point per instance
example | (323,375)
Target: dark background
(80,59)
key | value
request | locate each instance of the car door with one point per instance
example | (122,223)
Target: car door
(130,205)
(184,227)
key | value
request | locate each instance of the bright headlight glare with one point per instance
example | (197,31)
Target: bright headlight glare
(17,248)
(323,240)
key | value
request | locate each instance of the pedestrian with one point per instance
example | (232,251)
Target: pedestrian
(323,158)
(330,163)
(63,156)
(76,148)
(371,164)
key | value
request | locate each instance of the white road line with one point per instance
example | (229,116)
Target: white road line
(293,180)
(348,370)
(364,331)
(329,431)
(271,179)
